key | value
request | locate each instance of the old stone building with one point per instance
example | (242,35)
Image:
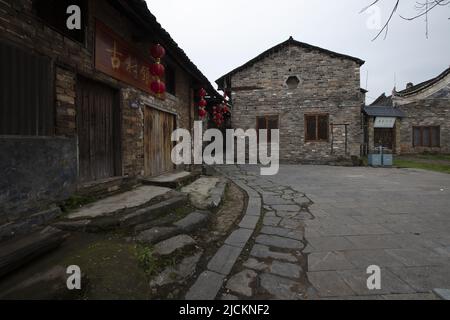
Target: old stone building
(413,120)
(311,94)
(76,106)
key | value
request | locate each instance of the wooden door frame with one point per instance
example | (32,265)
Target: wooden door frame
(175,126)
(117,123)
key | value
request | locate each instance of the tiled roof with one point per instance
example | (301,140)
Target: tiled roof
(383,101)
(383,111)
(139,8)
(423,85)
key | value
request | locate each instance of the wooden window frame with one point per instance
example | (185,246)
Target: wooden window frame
(316,115)
(430,142)
(266,120)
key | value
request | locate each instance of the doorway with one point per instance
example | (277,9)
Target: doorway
(385,137)
(98,127)
(158,128)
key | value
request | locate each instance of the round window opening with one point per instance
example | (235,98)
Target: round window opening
(292,82)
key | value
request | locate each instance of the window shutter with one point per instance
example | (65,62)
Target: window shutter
(26,95)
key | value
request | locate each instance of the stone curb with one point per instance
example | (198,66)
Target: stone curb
(219,267)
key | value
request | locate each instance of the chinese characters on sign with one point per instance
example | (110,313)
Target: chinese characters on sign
(117,59)
(384,122)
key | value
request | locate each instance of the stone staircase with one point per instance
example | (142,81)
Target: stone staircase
(18,252)
(172,180)
(141,205)
(148,213)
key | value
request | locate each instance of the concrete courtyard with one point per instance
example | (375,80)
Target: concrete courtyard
(351,218)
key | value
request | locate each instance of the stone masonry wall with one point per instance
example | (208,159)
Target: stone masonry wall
(70,60)
(327,85)
(19,25)
(428,112)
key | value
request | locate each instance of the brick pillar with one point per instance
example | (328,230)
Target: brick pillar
(65,83)
(370,130)
(398,141)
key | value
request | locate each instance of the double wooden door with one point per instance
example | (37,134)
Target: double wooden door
(158,129)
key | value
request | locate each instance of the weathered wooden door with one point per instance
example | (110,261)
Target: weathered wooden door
(158,146)
(384,137)
(98,131)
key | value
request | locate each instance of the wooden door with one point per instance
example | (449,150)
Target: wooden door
(384,137)
(98,131)
(158,128)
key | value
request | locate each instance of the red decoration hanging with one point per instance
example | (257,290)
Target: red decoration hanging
(157,70)
(202,93)
(203,103)
(202,113)
(158,87)
(157,51)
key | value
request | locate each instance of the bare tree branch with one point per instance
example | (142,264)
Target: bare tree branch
(424,9)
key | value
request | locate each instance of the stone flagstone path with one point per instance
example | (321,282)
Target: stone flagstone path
(317,243)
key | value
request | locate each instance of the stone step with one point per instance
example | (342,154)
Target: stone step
(188,224)
(206,193)
(123,203)
(126,218)
(16,253)
(108,187)
(169,246)
(172,180)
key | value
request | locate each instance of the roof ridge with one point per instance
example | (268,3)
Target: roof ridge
(423,85)
(291,40)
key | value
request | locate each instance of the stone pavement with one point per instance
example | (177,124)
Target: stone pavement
(321,228)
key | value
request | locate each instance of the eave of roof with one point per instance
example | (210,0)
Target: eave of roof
(290,41)
(423,85)
(382,100)
(383,111)
(140,8)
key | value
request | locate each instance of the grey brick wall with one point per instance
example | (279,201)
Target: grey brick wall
(433,110)
(327,85)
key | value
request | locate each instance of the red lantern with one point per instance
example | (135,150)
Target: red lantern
(202,93)
(158,87)
(202,103)
(157,69)
(202,113)
(157,51)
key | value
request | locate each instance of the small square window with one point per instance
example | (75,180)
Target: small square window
(316,127)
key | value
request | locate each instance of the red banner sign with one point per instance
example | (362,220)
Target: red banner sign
(119,60)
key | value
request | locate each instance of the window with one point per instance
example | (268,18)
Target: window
(26,95)
(54,13)
(267,123)
(427,136)
(170,80)
(316,127)
(292,82)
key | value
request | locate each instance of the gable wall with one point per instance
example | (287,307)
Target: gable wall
(327,85)
(433,110)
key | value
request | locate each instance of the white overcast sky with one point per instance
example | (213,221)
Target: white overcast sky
(219,36)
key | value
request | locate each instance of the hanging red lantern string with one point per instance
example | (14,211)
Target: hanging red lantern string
(202,104)
(158,52)
(157,70)
(158,87)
